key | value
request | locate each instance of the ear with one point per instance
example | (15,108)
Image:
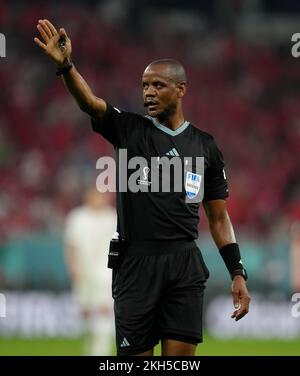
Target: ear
(181,89)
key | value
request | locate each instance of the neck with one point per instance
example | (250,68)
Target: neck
(172,121)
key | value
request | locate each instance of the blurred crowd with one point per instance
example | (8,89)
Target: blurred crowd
(247,95)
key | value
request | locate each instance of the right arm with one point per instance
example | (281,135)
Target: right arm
(58,47)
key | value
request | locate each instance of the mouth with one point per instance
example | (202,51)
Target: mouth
(150,103)
(151,106)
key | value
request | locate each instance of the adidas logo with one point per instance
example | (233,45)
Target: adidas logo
(125,343)
(173,153)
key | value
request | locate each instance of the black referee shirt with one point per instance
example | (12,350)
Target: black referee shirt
(146,215)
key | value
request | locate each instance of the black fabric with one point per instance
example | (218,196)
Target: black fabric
(160,215)
(149,248)
(158,297)
(232,257)
(215,183)
(181,338)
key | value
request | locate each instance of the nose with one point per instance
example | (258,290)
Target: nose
(149,91)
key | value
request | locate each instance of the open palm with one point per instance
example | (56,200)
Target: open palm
(56,44)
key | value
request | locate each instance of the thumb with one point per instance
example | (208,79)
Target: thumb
(62,33)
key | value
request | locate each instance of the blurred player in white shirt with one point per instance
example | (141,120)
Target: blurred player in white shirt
(88,231)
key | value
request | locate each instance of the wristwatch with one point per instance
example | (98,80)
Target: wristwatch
(242,272)
(64,69)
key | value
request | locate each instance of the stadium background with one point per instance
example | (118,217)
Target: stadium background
(243,88)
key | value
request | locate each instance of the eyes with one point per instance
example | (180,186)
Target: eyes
(156,84)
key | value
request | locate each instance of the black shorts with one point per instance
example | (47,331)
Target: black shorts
(158,295)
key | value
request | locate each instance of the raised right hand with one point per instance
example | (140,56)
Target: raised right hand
(56,44)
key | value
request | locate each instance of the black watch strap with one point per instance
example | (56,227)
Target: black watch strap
(241,272)
(64,69)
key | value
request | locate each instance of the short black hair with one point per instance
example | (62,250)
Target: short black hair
(177,71)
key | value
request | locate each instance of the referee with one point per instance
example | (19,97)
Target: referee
(159,283)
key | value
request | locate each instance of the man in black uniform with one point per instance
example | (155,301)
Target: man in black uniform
(158,285)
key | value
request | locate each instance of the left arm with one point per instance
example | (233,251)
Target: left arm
(223,234)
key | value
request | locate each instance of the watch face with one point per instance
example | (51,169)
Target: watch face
(244,274)
(241,272)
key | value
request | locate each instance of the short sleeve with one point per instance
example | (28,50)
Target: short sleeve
(215,182)
(115,125)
